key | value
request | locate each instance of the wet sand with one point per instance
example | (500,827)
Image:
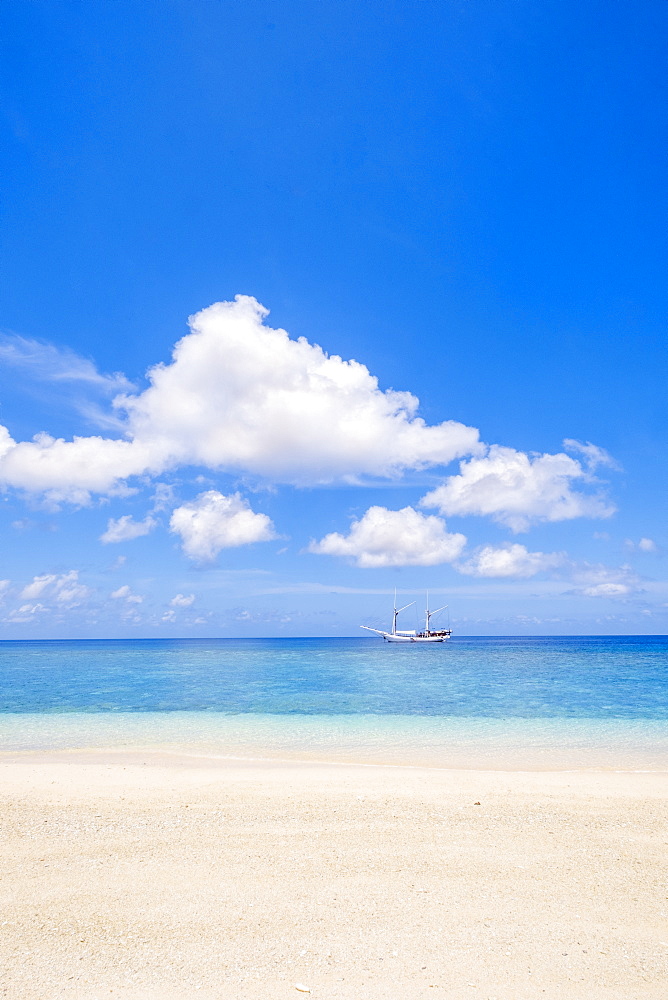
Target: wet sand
(158,877)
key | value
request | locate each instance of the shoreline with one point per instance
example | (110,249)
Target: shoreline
(450,742)
(161,876)
(166,756)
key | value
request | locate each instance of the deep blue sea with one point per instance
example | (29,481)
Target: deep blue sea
(492,702)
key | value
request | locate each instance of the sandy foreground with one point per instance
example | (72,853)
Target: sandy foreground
(149,877)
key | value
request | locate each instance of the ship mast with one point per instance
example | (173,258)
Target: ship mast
(397,612)
(430,614)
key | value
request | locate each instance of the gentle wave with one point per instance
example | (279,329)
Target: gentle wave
(409,740)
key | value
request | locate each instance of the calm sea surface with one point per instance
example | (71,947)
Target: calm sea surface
(498,702)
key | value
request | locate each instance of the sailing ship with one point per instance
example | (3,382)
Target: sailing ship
(412,635)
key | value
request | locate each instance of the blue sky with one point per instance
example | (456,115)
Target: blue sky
(455,216)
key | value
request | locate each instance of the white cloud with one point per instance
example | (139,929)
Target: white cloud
(510,560)
(69,591)
(182,601)
(54,366)
(38,585)
(606,581)
(26,613)
(70,470)
(163,496)
(124,529)
(607,590)
(515,489)
(49,363)
(124,593)
(385,537)
(242,396)
(643,545)
(169,616)
(212,522)
(592,455)
(4,587)
(64,589)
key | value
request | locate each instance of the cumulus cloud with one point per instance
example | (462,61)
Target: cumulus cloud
(511,560)
(124,529)
(4,587)
(124,593)
(39,583)
(65,589)
(26,613)
(212,522)
(643,545)
(241,396)
(385,537)
(515,489)
(182,601)
(70,470)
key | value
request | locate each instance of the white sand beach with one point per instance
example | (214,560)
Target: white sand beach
(156,877)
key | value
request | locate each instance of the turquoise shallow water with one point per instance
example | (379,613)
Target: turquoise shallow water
(502,702)
(450,741)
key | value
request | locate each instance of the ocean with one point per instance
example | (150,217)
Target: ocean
(513,702)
